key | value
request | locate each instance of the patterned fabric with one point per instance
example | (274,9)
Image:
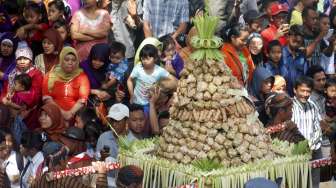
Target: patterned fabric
(118,71)
(319,100)
(164,16)
(73,182)
(307,118)
(83,22)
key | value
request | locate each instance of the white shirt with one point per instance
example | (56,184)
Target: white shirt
(34,164)
(307,118)
(12,170)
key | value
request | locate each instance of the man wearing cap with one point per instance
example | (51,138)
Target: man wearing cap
(278,26)
(117,117)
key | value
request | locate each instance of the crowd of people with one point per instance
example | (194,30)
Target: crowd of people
(75,75)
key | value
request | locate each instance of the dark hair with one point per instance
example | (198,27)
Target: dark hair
(296,30)
(304,80)
(276,101)
(272,44)
(87,115)
(330,82)
(313,70)
(25,80)
(129,175)
(93,130)
(166,41)
(322,15)
(117,47)
(60,23)
(150,50)
(135,107)
(332,16)
(38,8)
(32,140)
(306,11)
(235,30)
(12,7)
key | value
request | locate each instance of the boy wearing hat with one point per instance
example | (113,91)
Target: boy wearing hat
(253,19)
(278,26)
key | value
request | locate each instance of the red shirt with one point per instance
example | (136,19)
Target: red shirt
(269,34)
(37,35)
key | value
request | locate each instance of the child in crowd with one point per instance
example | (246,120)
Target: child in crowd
(171,60)
(17,100)
(61,26)
(279,84)
(331,98)
(145,75)
(118,65)
(163,119)
(56,11)
(275,54)
(136,123)
(36,19)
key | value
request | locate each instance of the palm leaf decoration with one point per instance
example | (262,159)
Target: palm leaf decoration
(206,165)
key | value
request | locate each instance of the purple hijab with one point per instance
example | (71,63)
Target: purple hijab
(99,52)
(6,26)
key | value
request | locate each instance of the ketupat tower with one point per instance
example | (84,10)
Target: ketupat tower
(211,117)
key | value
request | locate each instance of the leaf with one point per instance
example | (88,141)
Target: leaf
(301,148)
(125,144)
(207,165)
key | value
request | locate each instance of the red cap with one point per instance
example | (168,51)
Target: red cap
(277,8)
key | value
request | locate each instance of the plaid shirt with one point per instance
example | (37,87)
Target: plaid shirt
(164,16)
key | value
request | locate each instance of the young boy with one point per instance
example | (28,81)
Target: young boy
(275,54)
(136,123)
(118,65)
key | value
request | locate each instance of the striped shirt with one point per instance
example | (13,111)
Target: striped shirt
(67,182)
(307,118)
(165,16)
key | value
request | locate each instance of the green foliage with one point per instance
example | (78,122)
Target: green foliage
(301,148)
(206,165)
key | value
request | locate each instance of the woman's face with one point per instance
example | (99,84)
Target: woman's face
(54,14)
(97,64)
(69,63)
(23,63)
(240,41)
(48,46)
(256,45)
(6,49)
(45,120)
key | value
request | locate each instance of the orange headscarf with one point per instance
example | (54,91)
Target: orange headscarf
(58,126)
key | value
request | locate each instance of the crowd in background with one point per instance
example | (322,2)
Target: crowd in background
(71,70)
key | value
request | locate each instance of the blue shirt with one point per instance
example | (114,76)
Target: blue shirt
(144,82)
(109,140)
(275,70)
(292,67)
(118,71)
(164,16)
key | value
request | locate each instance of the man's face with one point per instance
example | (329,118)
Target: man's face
(302,93)
(295,42)
(319,81)
(311,22)
(119,126)
(137,121)
(331,91)
(280,19)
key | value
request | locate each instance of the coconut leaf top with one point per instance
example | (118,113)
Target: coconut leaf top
(206,43)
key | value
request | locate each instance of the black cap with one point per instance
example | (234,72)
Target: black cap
(251,16)
(75,133)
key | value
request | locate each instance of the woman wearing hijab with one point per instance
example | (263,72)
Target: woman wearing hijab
(24,65)
(95,66)
(52,121)
(52,45)
(67,85)
(8,47)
